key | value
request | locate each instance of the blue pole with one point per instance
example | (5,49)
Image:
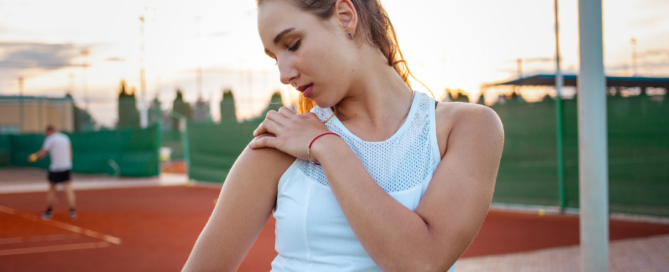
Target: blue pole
(592,139)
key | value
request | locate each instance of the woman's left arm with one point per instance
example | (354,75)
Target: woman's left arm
(432,237)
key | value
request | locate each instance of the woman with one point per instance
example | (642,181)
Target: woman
(357,196)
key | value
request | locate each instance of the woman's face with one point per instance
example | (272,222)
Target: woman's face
(314,55)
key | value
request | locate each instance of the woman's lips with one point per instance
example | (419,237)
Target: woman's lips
(306,89)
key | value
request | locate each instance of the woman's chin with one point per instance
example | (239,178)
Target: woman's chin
(324,104)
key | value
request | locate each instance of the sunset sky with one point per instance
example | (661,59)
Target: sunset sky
(447,43)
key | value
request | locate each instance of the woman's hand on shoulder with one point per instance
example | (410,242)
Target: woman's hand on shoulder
(288,131)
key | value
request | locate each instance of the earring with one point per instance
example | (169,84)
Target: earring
(351,35)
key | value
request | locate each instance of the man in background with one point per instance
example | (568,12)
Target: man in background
(59,148)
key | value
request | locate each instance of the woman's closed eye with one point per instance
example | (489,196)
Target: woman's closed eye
(295,46)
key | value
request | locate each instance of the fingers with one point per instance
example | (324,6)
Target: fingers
(310,116)
(261,129)
(263,142)
(286,111)
(266,126)
(275,116)
(275,120)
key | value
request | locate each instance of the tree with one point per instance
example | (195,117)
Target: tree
(180,106)
(228,106)
(200,112)
(128,115)
(83,121)
(155,113)
(275,104)
(457,95)
(481,99)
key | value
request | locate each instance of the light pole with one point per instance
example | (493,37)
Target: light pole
(20,104)
(84,66)
(198,71)
(70,88)
(633,41)
(76,117)
(143,118)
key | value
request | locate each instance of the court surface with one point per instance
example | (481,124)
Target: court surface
(153,228)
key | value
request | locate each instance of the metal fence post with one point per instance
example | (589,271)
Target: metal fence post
(558,116)
(186,147)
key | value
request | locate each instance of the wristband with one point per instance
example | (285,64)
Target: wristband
(312,142)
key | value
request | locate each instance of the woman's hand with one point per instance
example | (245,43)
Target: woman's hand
(289,132)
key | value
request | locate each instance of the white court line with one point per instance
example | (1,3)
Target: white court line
(42,249)
(65,226)
(165,179)
(41,238)
(7,210)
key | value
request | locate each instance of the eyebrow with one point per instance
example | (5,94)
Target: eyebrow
(269,54)
(282,34)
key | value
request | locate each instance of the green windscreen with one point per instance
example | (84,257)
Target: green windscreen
(638,154)
(215,147)
(131,152)
(5,150)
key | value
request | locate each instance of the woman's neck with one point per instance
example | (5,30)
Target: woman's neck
(375,106)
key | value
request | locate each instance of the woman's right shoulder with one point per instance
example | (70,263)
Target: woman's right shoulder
(269,158)
(266,164)
(245,203)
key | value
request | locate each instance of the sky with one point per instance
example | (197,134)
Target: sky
(447,43)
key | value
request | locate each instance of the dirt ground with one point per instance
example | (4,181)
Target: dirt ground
(158,226)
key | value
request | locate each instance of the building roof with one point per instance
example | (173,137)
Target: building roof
(16,99)
(571,80)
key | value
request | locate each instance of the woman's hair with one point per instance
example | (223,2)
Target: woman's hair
(373,23)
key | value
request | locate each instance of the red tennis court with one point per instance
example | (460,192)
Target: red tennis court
(154,229)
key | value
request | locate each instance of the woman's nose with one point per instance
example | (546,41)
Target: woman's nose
(287,72)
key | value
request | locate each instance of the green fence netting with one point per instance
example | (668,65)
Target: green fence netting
(24,145)
(172,139)
(215,147)
(638,141)
(638,153)
(128,152)
(5,150)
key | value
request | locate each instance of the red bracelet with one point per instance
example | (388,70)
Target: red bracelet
(312,142)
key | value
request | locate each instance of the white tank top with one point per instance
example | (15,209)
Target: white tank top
(312,233)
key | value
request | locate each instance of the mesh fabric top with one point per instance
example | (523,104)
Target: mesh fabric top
(396,164)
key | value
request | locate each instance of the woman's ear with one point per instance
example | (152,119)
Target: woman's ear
(346,15)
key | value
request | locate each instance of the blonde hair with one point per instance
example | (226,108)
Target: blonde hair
(375,25)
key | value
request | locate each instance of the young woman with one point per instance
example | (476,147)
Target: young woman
(374,176)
